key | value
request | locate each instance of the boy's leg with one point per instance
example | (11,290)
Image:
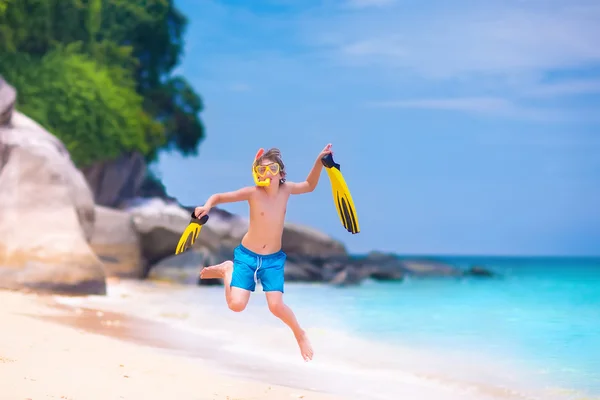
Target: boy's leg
(285,313)
(272,279)
(236,297)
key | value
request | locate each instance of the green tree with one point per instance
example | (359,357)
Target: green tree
(155,29)
(3,5)
(127,39)
(79,101)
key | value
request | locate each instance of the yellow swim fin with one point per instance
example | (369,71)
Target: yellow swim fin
(189,236)
(341,195)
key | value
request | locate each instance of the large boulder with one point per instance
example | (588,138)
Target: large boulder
(8,97)
(46,214)
(114,181)
(302,240)
(186,267)
(159,224)
(117,243)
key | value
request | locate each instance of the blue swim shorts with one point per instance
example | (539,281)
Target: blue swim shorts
(249,267)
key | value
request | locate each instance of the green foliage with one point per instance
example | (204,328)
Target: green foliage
(3,5)
(78,101)
(126,47)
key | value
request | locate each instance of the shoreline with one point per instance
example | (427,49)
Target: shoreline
(267,364)
(48,353)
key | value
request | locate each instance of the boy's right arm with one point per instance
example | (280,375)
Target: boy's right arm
(226,197)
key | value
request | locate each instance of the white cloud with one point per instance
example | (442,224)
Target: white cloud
(492,58)
(462,37)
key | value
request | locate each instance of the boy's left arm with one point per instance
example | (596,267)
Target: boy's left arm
(313,177)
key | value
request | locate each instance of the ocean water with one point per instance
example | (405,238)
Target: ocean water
(532,332)
(542,314)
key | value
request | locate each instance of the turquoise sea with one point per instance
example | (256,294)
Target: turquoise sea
(533,331)
(543,313)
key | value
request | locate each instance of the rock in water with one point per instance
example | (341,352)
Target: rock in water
(46,214)
(480,272)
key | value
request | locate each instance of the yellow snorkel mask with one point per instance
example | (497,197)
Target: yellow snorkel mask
(267,181)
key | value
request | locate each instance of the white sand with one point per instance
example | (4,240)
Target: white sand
(46,360)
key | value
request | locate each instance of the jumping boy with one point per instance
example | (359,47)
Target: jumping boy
(259,256)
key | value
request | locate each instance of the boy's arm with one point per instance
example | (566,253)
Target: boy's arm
(230,197)
(311,180)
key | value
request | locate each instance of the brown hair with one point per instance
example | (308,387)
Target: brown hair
(273,155)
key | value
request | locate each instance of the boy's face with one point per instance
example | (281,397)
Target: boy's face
(268,169)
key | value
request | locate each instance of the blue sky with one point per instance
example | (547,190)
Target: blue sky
(463,127)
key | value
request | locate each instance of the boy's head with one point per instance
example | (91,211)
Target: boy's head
(270,165)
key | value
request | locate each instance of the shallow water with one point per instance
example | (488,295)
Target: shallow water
(533,333)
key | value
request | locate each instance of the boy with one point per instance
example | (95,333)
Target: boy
(259,256)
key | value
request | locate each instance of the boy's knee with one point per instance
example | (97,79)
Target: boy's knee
(237,305)
(276,307)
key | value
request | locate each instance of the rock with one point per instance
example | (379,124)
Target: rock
(312,255)
(350,275)
(159,226)
(46,214)
(117,243)
(297,240)
(185,267)
(298,270)
(385,275)
(479,271)
(8,98)
(160,223)
(152,186)
(227,230)
(349,270)
(303,240)
(115,181)
(383,266)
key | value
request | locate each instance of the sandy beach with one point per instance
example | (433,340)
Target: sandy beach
(41,359)
(135,343)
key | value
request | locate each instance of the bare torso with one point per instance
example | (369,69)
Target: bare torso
(267,217)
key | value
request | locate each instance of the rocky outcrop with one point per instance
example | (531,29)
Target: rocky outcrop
(117,181)
(117,243)
(8,97)
(312,255)
(345,270)
(113,181)
(160,224)
(46,214)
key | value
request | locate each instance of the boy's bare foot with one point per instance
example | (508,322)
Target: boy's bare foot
(216,271)
(305,347)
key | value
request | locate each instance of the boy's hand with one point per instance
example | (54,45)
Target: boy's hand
(325,151)
(201,211)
